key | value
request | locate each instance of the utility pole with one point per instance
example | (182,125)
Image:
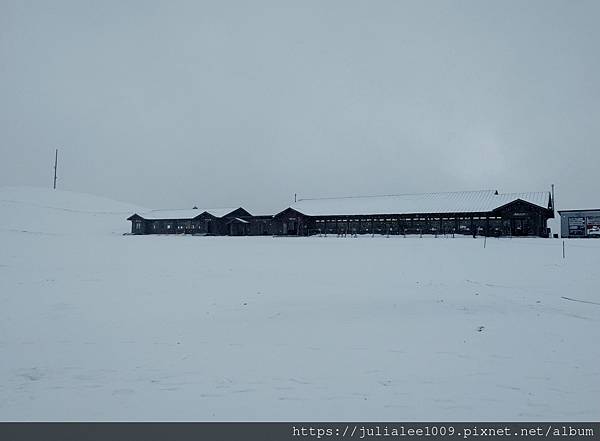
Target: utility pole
(55,166)
(553,208)
(295,195)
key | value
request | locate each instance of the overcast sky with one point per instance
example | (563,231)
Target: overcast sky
(171,104)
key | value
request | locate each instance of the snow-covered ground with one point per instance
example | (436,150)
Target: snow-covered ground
(95,325)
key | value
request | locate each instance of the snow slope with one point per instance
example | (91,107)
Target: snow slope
(99,326)
(37,210)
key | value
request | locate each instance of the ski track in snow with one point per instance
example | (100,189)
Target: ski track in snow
(580,301)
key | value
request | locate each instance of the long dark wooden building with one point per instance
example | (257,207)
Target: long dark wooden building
(487,213)
(475,212)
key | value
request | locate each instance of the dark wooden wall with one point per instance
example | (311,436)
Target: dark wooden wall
(515,219)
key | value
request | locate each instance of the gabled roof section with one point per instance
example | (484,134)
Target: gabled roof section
(423,203)
(238,212)
(186,213)
(288,210)
(539,198)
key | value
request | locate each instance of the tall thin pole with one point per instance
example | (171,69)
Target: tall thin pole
(553,207)
(55,166)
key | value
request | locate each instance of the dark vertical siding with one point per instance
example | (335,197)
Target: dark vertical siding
(518,218)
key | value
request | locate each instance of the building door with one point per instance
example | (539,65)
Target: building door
(520,227)
(289,227)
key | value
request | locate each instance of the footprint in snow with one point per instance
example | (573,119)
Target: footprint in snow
(480,328)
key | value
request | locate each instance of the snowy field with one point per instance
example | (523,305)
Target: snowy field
(95,325)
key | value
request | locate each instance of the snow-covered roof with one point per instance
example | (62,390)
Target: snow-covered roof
(539,198)
(453,202)
(237,219)
(185,213)
(577,210)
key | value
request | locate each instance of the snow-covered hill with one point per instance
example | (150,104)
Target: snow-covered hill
(38,210)
(99,326)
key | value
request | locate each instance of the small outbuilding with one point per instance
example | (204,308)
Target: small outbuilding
(580,223)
